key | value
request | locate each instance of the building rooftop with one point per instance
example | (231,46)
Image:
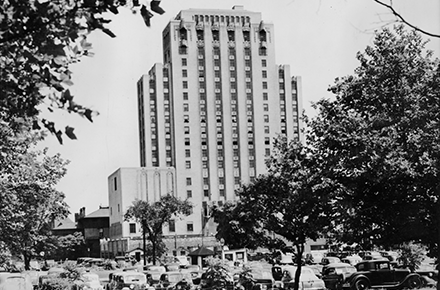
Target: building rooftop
(103,211)
(64,224)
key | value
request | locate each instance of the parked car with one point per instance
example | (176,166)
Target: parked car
(335,274)
(329,260)
(52,273)
(175,280)
(15,281)
(128,280)
(380,274)
(308,279)
(90,281)
(153,274)
(262,279)
(352,260)
(196,272)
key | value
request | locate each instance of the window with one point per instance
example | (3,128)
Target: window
(185,107)
(264,85)
(185,84)
(188,164)
(266,107)
(187,153)
(266,130)
(184,62)
(267,151)
(187,142)
(188,181)
(265,96)
(185,96)
(266,118)
(183,50)
(132,228)
(172,225)
(189,193)
(115,183)
(184,73)
(264,63)
(206,193)
(186,129)
(189,227)
(186,118)
(264,72)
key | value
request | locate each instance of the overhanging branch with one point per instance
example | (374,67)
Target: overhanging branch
(403,20)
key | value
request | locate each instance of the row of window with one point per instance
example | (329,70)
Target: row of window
(171,227)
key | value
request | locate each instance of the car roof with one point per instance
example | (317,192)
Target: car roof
(338,265)
(127,273)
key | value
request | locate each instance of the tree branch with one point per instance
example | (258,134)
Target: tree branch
(403,20)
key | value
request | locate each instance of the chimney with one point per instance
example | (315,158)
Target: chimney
(238,7)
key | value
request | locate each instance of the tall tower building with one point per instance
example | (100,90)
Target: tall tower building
(212,109)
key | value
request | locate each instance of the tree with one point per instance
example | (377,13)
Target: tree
(30,203)
(153,216)
(411,255)
(68,247)
(39,40)
(401,19)
(284,206)
(380,138)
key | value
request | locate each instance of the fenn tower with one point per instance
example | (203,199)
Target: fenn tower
(212,109)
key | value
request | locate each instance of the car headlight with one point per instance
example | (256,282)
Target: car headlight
(132,286)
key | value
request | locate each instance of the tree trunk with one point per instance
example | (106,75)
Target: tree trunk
(153,250)
(438,237)
(144,246)
(298,261)
(27,260)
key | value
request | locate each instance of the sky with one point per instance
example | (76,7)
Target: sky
(319,39)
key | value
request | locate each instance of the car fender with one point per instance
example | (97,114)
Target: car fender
(410,276)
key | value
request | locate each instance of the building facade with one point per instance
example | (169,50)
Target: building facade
(213,107)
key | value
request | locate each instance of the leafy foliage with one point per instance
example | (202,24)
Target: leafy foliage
(39,40)
(65,247)
(153,216)
(380,141)
(30,203)
(218,275)
(411,255)
(282,207)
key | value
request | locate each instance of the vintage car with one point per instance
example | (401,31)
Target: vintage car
(175,280)
(330,259)
(153,274)
(352,260)
(128,280)
(90,281)
(381,274)
(335,274)
(307,281)
(15,281)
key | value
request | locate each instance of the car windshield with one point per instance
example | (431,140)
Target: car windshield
(175,278)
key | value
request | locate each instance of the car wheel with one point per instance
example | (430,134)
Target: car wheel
(361,284)
(414,282)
